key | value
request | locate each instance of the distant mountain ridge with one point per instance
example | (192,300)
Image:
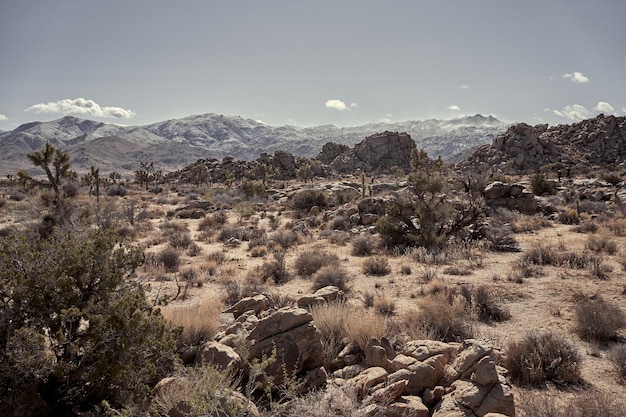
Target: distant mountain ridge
(175,143)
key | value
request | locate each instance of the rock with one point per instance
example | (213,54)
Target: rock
(255,303)
(323,295)
(367,379)
(470,352)
(368,219)
(377,153)
(219,355)
(421,375)
(424,349)
(447,407)
(378,353)
(372,206)
(430,397)
(408,406)
(485,373)
(290,336)
(497,189)
(499,400)
(402,362)
(388,394)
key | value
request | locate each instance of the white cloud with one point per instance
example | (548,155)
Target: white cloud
(624,110)
(3,117)
(464,87)
(340,105)
(81,107)
(576,77)
(454,107)
(573,112)
(605,107)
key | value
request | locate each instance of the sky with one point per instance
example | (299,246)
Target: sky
(306,63)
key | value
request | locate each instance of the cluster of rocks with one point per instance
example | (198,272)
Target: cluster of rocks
(424,378)
(511,196)
(376,153)
(600,141)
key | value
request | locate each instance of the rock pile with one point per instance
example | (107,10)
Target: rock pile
(580,146)
(376,153)
(510,196)
(423,378)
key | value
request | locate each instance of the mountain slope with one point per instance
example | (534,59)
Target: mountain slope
(175,143)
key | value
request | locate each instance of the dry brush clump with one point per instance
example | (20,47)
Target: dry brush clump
(617,356)
(589,403)
(486,306)
(376,266)
(598,320)
(363,245)
(333,275)
(310,261)
(541,357)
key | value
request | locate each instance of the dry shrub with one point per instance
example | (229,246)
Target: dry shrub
(406,270)
(601,243)
(377,266)
(360,328)
(331,401)
(486,306)
(363,246)
(284,238)
(457,270)
(599,268)
(194,249)
(598,320)
(258,251)
(541,357)
(617,356)
(275,269)
(213,222)
(617,226)
(199,321)
(586,227)
(525,224)
(169,258)
(569,217)
(310,261)
(584,404)
(333,275)
(441,317)
(384,305)
(235,290)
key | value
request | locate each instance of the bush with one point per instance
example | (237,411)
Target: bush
(602,243)
(617,356)
(440,317)
(80,329)
(305,199)
(540,185)
(598,320)
(586,404)
(284,238)
(310,261)
(169,258)
(214,221)
(331,275)
(117,190)
(377,266)
(539,358)
(275,269)
(363,246)
(484,303)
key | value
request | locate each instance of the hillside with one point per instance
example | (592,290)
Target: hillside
(175,143)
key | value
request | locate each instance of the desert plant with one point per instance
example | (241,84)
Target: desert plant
(617,356)
(540,185)
(384,305)
(376,265)
(284,238)
(598,320)
(601,243)
(363,246)
(169,258)
(76,326)
(588,403)
(275,269)
(199,322)
(486,306)
(333,275)
(310,261)
(305,199)
(442,317)
(541,357)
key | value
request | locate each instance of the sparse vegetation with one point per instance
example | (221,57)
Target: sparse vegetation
(598,320)
(376,265)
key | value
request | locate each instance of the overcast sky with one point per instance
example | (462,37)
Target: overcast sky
(341,62)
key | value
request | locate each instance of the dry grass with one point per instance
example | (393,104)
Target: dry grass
(376,266)
(199,321)
(589,403)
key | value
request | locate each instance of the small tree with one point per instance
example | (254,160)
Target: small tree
(74,324)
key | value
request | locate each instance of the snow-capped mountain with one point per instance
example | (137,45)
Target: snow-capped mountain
(175,143)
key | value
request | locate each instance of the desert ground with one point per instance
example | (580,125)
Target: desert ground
(235,247)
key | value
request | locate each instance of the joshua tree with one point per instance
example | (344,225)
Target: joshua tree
(60,161)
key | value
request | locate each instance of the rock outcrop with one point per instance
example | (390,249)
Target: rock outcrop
(579,146)
(377,153)
(511,196)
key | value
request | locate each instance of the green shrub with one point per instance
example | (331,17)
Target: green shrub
(78,328)
(540,185)
(542,357)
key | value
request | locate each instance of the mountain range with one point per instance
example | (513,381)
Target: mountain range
(175,143)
